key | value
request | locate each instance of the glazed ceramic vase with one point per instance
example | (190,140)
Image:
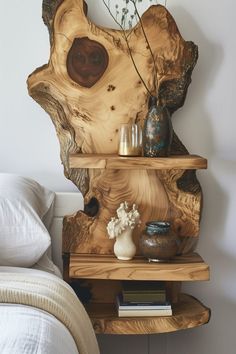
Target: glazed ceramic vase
(158,242)
(124,247)
(157,131)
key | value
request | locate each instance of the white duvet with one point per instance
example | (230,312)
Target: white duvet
(28,329)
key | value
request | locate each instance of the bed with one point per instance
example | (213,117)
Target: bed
(39,312)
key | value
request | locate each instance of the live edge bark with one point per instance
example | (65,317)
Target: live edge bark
(88,101)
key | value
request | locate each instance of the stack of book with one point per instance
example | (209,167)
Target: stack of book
(143,299)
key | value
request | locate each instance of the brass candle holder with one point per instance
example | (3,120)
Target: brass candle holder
(130,143)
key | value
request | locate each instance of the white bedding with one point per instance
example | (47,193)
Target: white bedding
(32,330)
(27,330)
(39,312)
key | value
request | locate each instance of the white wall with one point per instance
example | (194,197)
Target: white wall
(206,125)
(28,140)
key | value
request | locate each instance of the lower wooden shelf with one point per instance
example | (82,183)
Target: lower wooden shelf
(187,313)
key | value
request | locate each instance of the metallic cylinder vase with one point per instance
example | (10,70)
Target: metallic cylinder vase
(130,143)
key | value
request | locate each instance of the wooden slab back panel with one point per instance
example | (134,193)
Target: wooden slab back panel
(89,88)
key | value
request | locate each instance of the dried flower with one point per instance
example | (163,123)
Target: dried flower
(125,219)
(127,17)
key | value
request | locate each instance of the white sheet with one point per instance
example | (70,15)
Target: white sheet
(27,330)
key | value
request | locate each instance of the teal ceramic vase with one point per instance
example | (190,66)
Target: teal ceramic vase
(158,242)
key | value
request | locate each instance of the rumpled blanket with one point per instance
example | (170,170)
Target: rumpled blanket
(49,293)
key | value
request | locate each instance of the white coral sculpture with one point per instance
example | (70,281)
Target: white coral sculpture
(126,219)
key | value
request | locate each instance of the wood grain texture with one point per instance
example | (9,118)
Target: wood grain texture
(87,120)
(183,268)
(188,313)
(115,162)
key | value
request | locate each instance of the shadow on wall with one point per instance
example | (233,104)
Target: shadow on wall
(192,122)
(217,337)
(142,344)
(219,294)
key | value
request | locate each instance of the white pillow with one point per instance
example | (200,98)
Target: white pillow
(23,205)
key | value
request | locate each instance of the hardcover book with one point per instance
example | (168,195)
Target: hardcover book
(143,286)
(144,297)
(142,310)
(144,291)
(152,305)
(144,313)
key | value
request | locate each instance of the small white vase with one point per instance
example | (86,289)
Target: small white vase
(124,247)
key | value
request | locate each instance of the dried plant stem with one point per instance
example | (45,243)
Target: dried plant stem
(147,41)
(128,46)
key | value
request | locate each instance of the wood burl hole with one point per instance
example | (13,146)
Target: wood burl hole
(92,207)
(87,61)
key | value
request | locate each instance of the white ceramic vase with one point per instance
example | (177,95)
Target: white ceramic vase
(124,247)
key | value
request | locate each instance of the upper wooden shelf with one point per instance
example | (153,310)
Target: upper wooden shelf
(106,161)
(189,267)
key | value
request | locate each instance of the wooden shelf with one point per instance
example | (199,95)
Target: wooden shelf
(187,313)
(102,274)
(105,161)
(182,268)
